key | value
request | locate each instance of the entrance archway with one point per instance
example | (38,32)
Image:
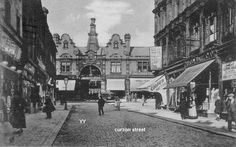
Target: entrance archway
(90,82)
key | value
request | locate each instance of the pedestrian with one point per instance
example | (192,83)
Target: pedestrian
(117,103)
(192,108)
(218,108)
(17,114)
(135,97)
(101,103)
(158,99)
(49,107)
(231,109)
(143,100)
(183,103)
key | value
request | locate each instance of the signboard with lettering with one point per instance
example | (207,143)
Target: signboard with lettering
(229,71)
(155,58)
(8,46)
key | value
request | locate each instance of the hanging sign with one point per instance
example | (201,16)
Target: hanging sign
(229,71)
(155,57)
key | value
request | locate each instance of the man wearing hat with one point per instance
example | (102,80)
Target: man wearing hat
(231,108)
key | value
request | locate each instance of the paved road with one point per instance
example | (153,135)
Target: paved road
(117,128)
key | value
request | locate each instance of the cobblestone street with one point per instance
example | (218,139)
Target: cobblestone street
(116,128)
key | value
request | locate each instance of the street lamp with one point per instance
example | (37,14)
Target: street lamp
(66,82)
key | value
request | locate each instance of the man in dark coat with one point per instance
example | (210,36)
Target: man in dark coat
(48,108)
(17,114)
(158,99)
(101,103)
(231,109)
(183,104)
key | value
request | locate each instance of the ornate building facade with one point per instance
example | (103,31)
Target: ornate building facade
(116,67)
(198,42)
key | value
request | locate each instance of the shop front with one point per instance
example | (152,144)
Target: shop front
(135,83)
(117,86)
(206,90)
(156,85)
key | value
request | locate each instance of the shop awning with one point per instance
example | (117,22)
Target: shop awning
(152,84)
(115,84)
(137,82)
(189,74)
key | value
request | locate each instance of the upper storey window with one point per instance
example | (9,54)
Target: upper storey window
(8,11)
(115,45)
(65,44)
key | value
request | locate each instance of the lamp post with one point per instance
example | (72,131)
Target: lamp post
(66,82)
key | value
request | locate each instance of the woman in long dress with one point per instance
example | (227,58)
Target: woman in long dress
(192,108)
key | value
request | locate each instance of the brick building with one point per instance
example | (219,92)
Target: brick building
(116,67)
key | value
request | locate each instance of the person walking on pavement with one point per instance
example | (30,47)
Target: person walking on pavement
(183,103)
(101,103)
(218,108)
(117,103)
(158,99)
(143,100)
(48,108)
(231,109)
(17,114)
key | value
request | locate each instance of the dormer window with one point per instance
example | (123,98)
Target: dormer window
(65,44)
(115,45)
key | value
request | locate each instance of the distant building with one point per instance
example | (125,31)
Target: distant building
(198,42)
(117,67)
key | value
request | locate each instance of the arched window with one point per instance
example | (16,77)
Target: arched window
(65,44)
(7,11)
(115,45)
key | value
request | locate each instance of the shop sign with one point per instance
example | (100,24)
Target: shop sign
(155,57)
(159,84)
(8,46)
(229,71)
(30,68)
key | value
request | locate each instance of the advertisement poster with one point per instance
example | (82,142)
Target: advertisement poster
(155,58)
(229,71)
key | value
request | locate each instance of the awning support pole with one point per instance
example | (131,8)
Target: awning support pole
(209,100)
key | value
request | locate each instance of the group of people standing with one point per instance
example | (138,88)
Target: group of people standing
(227,106)
(187,106)
(131,97)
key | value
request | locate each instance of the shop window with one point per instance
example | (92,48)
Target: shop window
(65,67)
(227,24)
(143,66)
(115,67)
(115,45)
(65,44)
(8,11)
(18,25)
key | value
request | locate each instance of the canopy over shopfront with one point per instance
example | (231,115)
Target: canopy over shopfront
(189,74)
(135,83)
(156,84)
(116,84)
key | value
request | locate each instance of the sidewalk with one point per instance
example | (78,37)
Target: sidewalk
(40,131)
(209,124)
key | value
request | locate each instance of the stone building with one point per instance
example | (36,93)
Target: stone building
(39,53)
(11,45)
(116,67)
(198,44)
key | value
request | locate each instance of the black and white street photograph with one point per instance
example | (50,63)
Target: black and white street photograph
(118,73)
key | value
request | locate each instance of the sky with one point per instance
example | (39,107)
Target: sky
(112,17)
